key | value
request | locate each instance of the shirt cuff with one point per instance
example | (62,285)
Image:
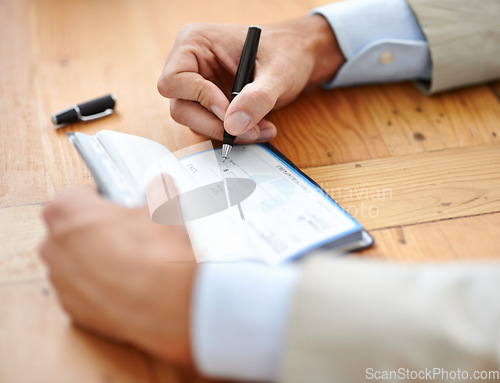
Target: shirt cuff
(381,41)
(239,318)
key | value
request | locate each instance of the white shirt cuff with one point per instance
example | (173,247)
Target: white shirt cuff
(239,319)
(381,41)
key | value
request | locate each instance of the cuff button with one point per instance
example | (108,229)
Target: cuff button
(386,58)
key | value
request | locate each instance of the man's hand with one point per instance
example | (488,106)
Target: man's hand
(120,274)
(200,70)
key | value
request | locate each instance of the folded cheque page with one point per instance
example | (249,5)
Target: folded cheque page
(284,217)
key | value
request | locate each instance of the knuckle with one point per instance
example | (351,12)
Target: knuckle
(190,29)
(176,110)
(263,97)
(200,93)
(164,84)
(173,81)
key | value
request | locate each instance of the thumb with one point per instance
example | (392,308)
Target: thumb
(250,106)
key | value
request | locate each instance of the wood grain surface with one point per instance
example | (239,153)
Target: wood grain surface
(427,167)
(416,188)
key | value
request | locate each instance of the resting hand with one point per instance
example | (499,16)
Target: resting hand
(200,70)
(120,274)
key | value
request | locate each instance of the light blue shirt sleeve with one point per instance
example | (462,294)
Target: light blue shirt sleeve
(239,318)
(381,41)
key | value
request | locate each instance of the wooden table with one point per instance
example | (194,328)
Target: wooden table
(422,174)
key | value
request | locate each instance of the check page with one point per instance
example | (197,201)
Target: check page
(284,216)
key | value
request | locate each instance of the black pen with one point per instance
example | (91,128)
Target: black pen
(244,75)
(86,111)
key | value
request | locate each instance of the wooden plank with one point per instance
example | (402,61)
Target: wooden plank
(21,231)
(370,122)
(459,239)
(38,343)
(327,127)
(412,123)
(22,169)
(416,188)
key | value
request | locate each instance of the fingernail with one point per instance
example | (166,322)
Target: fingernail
(251,135)
(218,111)
(238,122)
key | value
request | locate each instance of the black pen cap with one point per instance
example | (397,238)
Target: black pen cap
(97,105)
(86,111)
